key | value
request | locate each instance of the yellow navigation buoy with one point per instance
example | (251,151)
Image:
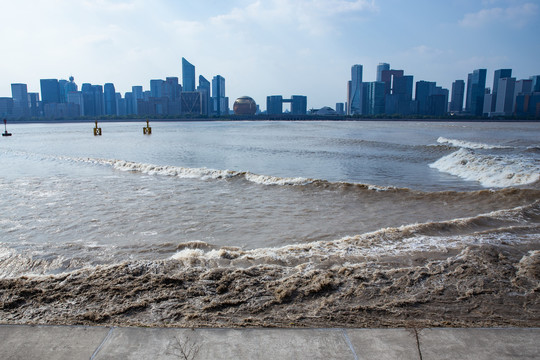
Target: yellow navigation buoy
(147,130)
(97,130)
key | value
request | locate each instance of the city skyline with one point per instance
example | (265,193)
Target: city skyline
(266,47)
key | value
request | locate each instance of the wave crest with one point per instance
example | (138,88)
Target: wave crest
(489,170)
(469,144)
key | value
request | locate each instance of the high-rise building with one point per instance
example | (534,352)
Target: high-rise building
(523,86)
(298,105)
(50,92)
(120,105)
(219,100)
(535,83)
(497,75)
(188,76)
(156,88)
(34,104)
(6,107)
(99,101)
(380,68)
(274,105)
(172,89)
(505,96)
(354,98)
(138,95)
(204,89)
(423,90)
(89,101)
(458,93)
(376,98)
(130,107)
(62,90)
(340,108)
(109,95)
(19,93)
(191,102)
(70,86)
(476,87)
(388,77)
(77,98)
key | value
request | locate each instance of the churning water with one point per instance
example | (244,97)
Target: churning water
(281,199)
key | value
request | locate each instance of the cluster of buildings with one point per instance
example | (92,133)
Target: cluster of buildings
(64,99)
(392,93)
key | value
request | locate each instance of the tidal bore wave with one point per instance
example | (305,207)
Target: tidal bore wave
(479,271)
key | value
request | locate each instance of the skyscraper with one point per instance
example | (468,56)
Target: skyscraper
(375,98)
(70,86)
(354,98)
(89,102)
(204,89)
(380,68)
(156,88)
(19,93)
(388,77)
(172,88)
(497,75)
(458,92)
(138,95)
(535,83)
(109,94)
(274,105)
(423,90)
(98,99)
(188,76)
(50,92)
(219,100)
(299,105)
(505,96)
(476,88)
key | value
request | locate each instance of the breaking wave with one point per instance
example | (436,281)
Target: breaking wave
(489,170)
(470,144)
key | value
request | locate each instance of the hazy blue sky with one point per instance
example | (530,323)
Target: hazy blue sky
(265,47)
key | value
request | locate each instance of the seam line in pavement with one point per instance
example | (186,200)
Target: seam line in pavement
(418,343)
(349,343)
(102,343)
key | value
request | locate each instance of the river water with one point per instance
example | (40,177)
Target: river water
(294,198)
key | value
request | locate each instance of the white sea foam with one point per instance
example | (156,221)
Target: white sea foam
(196,173)
(469,144)
(489,170)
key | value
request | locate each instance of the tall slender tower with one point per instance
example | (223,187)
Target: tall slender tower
(354,100)
(188,76)
(458,92)
(476,88)
(220,101)
(498,75)
(109,95)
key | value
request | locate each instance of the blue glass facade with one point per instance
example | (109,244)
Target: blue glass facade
(50,93)
(109,95)
(188,76)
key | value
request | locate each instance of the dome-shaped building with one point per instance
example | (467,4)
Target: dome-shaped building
(245,106)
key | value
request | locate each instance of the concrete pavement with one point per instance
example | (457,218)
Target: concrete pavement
(83,342)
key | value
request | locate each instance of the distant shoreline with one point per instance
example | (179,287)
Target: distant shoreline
(231,119)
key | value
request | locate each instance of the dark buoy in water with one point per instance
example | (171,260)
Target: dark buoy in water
(147,130)
(97,130)
(5,133)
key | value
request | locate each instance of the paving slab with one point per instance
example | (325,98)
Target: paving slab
(480,344)
(255,344)
(49,342)
(384,344)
